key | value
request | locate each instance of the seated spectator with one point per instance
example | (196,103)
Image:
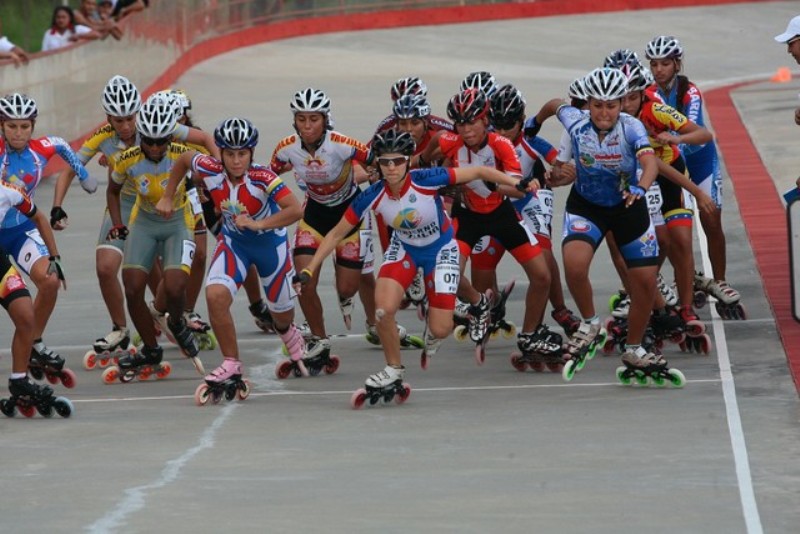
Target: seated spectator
(123,8)
(89,15)
(9,50)
(105,8)
(64,32)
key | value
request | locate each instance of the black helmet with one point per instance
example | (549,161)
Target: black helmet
(507,107)
(393,142)
(236,134)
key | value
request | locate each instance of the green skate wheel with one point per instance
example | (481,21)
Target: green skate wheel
(137,339)
(614,301)
(641,378)
(622,376)
(568,373)
(372,339)
(676,378)
(211,340)
(658,381)
(414,341)
(284,350)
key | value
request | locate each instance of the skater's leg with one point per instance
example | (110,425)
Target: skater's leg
(538,291)
(135,282)
(366,293)
(108,261)
(198,272)
(219,301)
(715,238)
(21,312)
(174,282)
(388,295)
(577,260)
(46,294)
(309,300)
(643,288)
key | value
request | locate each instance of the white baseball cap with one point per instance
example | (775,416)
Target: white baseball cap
(792,31)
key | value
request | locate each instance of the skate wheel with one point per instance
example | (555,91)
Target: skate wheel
(145,372)
(516,363)
(244,390)
(424,360)
(658,381)
(201,395)
(110,375)
(63,407)
(104,362)
(212,340)
(608,346)
(641,378)
(46,410)
(373,339)
(622,376)
(90,360)
(614,301)
(510,332)
(460,333)
(27,411)
(480,354)
(51,377)
(539,367)
(164,370)
(422,312)
(332,366)
(700,299)
(676,378)
(494,334)
(68,378)
(705,344)
(283,369)
(137,339)
(415,341)
(358,398)
(555,367)
(568,373)
(403,394)
(7,408)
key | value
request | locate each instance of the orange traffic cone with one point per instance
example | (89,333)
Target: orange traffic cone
(783,75)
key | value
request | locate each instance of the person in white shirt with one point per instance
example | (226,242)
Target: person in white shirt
(64,32)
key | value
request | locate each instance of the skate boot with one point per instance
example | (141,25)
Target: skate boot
(139,365)
(623,307)
(615,299)
(669,294)
(696,339)
(415,294)
(186,341)
(461,320)
(45,363)
(665,324)
(645,367)
(160,320)
(346,305)
(29,398)
(224,381)
(566,320)
(728,299)
(539,350)
(497,317)
(205,338)
(387,385)
(407,340)
(294,347)
(108,349)
(581,347)
(315,359)
(262,317)
(430,348)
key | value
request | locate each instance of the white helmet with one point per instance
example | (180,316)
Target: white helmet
(310,101)
(664,47)
(156,118)
(121,98)
(606,84)
(637,76)
(482,81)
(577,89)
(18,106)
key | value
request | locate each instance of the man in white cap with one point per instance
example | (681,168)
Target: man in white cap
(791,37)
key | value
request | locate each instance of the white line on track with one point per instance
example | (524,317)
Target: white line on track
(741,459)
(349,392)
(134,499)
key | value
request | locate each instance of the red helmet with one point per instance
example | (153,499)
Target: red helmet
(467,106)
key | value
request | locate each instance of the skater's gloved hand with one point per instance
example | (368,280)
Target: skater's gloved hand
(58,218)
(89,184)
(532,127)
(55,267)
(632,194)
(299,280)
(527,185)
(119,231)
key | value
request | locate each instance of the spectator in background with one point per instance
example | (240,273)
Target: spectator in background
(9,50)
(88,15)
(105,10)
(64,31)
(123,8)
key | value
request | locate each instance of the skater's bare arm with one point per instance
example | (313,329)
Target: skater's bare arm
(291,212)
(327,246)
(164,207)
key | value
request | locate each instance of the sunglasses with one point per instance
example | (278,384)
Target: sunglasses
(504,125)
(161,141)
(399,160)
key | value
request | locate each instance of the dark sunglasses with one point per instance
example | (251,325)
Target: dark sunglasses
(504,125)
(161,141)
(399,160)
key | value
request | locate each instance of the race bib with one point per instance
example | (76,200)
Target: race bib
(447,272)
(654,199)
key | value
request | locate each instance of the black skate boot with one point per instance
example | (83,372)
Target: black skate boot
(262,317)
(539,350)
(28,398)
(186,341)
(45,363)
(138,365)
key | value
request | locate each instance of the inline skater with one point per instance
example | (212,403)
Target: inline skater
(256,207)
(22,163)
(412,86)
(322,160)
(15,298)
(484,205)
(404,195)
(607,196)
(148,235)
(665,54)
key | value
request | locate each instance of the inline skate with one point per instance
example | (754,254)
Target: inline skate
(407,341)
(696,339)
(45,363)
(224,381)
(480,317)
(581,347)
(728,303)
(316,358)
(415,294)
(346,306)
(540,350)
(461,320)
(109,349)
(184,338)
(28,398)
(665,325)
(262,317)
(566,319)
(497,321)
(387,385)
(667,291)
(139,365)
(643,368)
(430,348)
(205,338)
